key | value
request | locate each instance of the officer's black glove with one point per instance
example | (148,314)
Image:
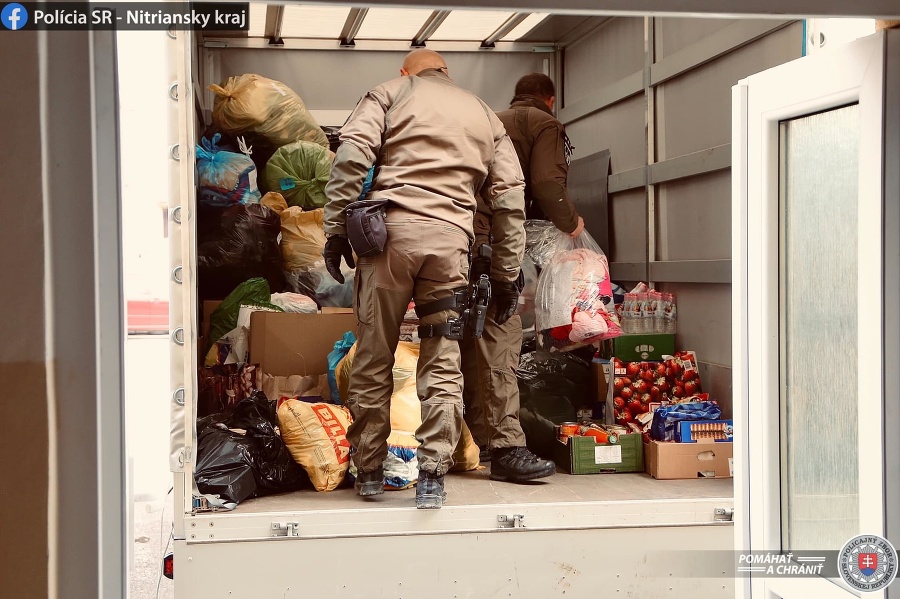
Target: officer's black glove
(506,299)
(337,247)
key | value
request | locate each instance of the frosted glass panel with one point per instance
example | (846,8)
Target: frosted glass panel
(819,189)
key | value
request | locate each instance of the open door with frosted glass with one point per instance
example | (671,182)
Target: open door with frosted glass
(815,284)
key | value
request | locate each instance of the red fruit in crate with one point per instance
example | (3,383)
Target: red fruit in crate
(632,368)
(691,387)
(662,384)
(645,399)
(619,384)
(642,387)
(618,363)
(635,407)
(626,393)
(673,369)
(660,369)
(689,375)
(645,365)
(627,417)
(678,391)
(619,402)
(655,392)
(647,375)
(626,381)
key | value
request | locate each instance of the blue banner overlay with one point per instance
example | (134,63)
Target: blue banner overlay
(124,16)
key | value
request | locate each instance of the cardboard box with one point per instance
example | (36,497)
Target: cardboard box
(692,431)
(640,348)
(285,343)
(704,459)
(333,310)
(208,307)
(583,455)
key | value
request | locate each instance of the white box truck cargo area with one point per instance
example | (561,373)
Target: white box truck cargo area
(653,92)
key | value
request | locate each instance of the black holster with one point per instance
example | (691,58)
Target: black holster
(365,226)
(470,301)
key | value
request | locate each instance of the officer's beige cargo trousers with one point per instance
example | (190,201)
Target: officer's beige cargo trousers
(424,260)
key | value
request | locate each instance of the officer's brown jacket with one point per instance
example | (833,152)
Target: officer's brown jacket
(434,146)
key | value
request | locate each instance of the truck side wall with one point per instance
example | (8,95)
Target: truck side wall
(657,93)
(337,79)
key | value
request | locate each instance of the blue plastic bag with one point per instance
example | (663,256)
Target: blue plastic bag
(225,178)
(341,349)
(665,417)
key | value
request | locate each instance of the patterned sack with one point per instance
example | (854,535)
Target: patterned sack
(316,436)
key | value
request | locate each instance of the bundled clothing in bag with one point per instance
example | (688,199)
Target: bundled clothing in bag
(237,243)
(254,104)
(300,171)
(302,236)
(574,301)
(224,178)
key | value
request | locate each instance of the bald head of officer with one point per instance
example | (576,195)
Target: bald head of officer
(420,60)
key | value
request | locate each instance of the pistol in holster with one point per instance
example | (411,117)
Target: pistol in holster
(471,302)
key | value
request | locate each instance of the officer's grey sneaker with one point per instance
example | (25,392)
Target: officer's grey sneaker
(370,483)
(430,493)
(517,464)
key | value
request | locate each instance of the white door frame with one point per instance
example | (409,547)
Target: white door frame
(853,73)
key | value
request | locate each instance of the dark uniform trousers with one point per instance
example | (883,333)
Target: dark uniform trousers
(424,260)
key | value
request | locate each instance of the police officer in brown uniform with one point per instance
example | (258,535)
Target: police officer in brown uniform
(434,146)
(491,394)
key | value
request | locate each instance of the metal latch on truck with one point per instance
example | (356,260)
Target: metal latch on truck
(285,529)
(723,514)
(511,521)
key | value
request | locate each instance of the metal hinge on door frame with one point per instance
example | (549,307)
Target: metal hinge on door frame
(285,529)
(723,514)
(513,521)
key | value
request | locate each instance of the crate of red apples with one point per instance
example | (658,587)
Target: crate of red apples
(641,387)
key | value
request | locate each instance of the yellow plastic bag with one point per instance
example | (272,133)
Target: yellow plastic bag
(252,103)
(316,436)
(302,235)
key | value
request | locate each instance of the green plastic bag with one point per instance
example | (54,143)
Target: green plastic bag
(300,171)
(223,320)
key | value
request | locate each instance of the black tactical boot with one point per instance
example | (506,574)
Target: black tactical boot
(370,483)
(517,464)
(430,493)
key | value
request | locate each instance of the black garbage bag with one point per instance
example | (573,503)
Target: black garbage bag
(275,468)
(552,387)
(224,466)
(241,455)
(236,243)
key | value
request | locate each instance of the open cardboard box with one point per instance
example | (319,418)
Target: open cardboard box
(286,343)
(703,459)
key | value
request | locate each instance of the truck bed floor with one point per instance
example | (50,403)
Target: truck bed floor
(475,488)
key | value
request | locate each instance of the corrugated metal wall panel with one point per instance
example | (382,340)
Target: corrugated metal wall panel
(676,33)
(694,110)
(492,76)
(619,128)
(610,53)
(694,218)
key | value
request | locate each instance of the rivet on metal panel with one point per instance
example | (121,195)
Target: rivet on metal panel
(173,91)
(193,525)
(178,336)
(178,397)
(176,214)
(212,524)
(175,152)
(176,275)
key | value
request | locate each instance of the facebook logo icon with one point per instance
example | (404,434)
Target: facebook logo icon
(14,16)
